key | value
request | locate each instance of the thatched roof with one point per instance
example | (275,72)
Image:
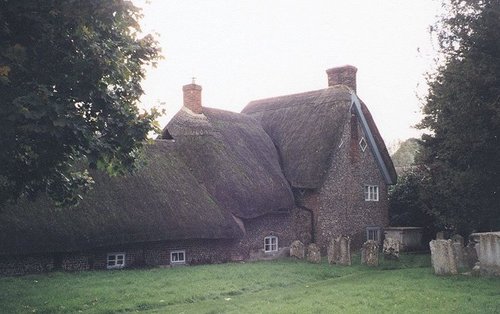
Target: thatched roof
(306,129)
(232,156)
(161,201)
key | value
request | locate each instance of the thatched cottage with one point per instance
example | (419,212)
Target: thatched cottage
(220,186)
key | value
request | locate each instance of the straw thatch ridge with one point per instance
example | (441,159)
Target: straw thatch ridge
(161,201)
(306,129)
(234,158)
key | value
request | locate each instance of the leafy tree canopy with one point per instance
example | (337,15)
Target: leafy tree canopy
(407,205)
(70,75)
(404,156)
(462,112)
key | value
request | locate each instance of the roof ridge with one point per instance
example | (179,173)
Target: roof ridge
(255,105)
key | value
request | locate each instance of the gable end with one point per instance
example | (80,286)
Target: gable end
(389,176)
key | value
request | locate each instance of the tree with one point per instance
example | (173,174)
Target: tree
(407,205)
(404,156)
(70,75)
(462,112)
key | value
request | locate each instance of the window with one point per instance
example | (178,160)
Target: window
(371,193)
(270,244)
(178,257)
(115,260)
(373,233)
(363,144)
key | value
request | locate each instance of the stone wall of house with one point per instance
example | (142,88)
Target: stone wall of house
(287,226)
(302,225)
(308,199)
(20,265)
(149,254)
(280,225)
(342,209)
(74,261)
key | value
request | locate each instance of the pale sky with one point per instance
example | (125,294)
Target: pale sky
(241,51)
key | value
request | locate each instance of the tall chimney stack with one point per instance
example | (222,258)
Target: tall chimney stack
(344,75)
(192,97)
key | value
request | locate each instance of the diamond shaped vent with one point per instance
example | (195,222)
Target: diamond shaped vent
(363,144)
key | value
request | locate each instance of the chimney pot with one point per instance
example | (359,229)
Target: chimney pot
(192,97)
(344,75)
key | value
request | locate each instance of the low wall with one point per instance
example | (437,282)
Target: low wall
(136,255)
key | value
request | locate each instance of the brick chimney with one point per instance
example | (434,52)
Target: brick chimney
(345,75)
(192,97)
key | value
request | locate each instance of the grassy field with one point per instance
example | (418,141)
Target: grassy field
(285,286)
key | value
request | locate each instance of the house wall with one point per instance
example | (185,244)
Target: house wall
(20,265)
(341,207)
(136,255)
(286,226)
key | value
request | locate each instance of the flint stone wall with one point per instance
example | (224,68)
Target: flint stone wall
(151,254)
(260,255)
(136,255)
(339,206)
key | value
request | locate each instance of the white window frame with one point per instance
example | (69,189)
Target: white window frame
(174,257)
(271,244)
(371,193)
(374,231)
(115,260)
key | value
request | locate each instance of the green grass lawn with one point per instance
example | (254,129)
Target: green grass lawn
(285,286)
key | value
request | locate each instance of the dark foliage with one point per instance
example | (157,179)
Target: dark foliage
(462,112)
(407,207)
(70,75)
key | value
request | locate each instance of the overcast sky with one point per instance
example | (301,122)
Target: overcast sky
(245,50)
